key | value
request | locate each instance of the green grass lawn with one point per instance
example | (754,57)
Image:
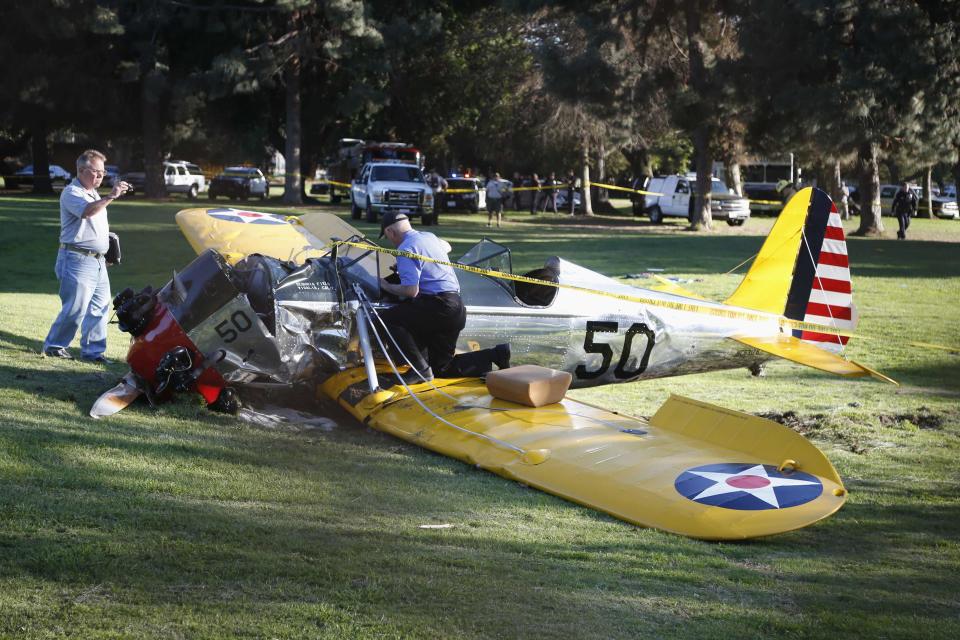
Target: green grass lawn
(181,523)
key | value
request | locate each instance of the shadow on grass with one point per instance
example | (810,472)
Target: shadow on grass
(315,527)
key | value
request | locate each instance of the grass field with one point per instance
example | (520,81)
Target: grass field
(180,523)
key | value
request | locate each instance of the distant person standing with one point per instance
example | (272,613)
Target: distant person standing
(571,190)
(904,207)
(81,264)
(844,201)
(550,195)
(497,189)
(515,195)
(439,185)
(535,185)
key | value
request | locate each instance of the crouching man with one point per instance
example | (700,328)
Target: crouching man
(427,324)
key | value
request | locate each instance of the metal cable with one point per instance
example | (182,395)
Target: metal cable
(393,366)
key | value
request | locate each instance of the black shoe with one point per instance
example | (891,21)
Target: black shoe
(413,377)
(57,352)
(101,359)
(501,356)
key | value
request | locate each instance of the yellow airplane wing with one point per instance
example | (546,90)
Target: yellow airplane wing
(236,233)
(692,469)
(796,350)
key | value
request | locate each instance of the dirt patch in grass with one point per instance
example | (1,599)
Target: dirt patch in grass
(804,425)
(839,430)
(922,418)
(855,433)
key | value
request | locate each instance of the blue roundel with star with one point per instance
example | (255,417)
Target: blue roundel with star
(246,217)
(747,486)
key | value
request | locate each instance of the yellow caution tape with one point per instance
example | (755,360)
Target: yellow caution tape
(334,182)
(552,187)
(774,202)
(613,186)
(669,304)
(720,312)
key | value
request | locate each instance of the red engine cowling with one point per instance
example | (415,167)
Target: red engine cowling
(163,333)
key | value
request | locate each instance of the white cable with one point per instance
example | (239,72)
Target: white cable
(413,395)
(372,312)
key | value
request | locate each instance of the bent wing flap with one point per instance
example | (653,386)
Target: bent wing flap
(796,350)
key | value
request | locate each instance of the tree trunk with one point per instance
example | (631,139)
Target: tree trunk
(291,184)
(926,210)
(734,181)
(833,184)
(696,49)
(870,222)
(585,182)
(640,162)
(843,204)
(150,87)
(41,157)
(702,215)
(602,194)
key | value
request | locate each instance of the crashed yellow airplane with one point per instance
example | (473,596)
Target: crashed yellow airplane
(274,301)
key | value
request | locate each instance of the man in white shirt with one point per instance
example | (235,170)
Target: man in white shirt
(81,266)
(497,190)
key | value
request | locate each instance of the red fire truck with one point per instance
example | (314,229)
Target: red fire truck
(353,154)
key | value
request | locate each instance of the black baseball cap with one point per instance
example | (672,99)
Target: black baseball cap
(389,218)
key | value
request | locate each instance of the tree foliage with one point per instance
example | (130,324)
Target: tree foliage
(522,85)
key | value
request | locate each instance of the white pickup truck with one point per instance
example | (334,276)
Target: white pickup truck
(391,186)
(679,193)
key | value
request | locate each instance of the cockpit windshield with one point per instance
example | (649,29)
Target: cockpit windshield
(477,289)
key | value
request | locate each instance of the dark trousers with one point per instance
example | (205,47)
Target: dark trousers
(904,220)
(426,330)
(570,203)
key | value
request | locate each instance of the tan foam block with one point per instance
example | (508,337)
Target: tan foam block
(529,384)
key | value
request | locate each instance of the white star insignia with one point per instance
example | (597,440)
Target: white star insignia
(754,481)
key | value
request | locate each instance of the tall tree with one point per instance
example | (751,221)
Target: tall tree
(867,70)
(54,76)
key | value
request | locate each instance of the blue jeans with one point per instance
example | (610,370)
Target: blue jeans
(85,295)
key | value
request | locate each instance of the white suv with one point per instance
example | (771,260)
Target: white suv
(391,186)
(183,177)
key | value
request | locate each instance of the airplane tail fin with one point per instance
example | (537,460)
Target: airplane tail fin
(802,271)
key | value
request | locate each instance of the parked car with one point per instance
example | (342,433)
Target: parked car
(239,182)
(764,197)
(679,198)
(391,186)
(473,199)
(25,176)
(562,200)
(183,177)
(137,181)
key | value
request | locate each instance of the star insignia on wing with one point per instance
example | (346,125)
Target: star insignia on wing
(754,481)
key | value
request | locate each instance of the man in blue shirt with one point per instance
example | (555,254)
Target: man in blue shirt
(427,324)
(81,266)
